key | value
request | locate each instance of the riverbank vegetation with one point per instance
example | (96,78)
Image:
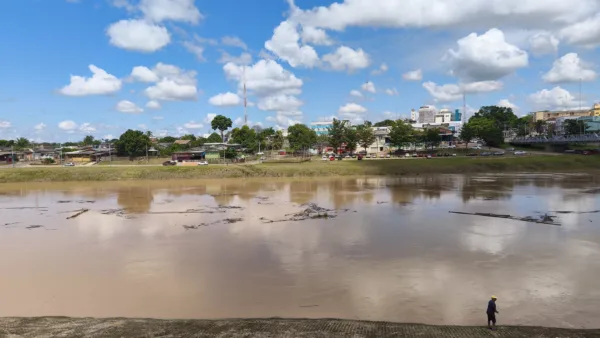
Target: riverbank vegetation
(394,167)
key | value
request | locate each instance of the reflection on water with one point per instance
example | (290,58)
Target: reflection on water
(392,253)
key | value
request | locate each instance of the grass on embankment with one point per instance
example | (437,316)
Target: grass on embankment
(571,163)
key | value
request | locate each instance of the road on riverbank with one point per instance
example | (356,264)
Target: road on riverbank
(87,327)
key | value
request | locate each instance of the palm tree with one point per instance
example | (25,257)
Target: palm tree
(540,126)
(22,143)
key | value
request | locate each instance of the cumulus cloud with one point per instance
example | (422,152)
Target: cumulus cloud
(570,68)
(195,49)
(356,93)
(368,87)
(555,98)
(68,126)
(170,82)
(391,91)
(382,69)
(454,92)
(170,10)
(225,100)
(506,103)
(193,125)
(443,13)
(138,35)
(413,75)
(39,126)
(209,117)
(101,83)
(285,44)
(280,103)
(87,128)
(282,121)
(345,58)
(352,108)
(486,57)
(585,33)
(5,124)
(316,36)
(264,78)
(233,41)
(243,59)
(128,107)
(153,105)
(542,43)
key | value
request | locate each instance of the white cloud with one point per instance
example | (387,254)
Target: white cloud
(209,117)
(138,35)
(264,78)
(225,100)
(158,118)
(346,58)
(555,98)
(454,92)
(101,83)
(413,75)
(128,107)
(142,127)
(153,105)
(542,43)
(352,108)
(233,41)
(280,103)
(486,57)
(108,137)
(171,82)
(570,68)
(382,69)
(443,13)
(5,124)
(243,59)
(39,126)
(316,36)
(369,87)
(356,93)
(170,10)
(193,125)
(87,128)
(195,49)
(391,91)
(585,33)
(282,121)
(506,103)
(68,126)
(284,44)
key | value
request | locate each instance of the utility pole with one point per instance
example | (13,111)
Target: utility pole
(464,117)
(12,155)
(147,160)
(582,122)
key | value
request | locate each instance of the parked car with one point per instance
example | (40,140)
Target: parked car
(520,153)
(453,146)
(477,147)
(429,157)
(168,163)
(472,154)
(388,155)
(368,156)
(498,153)
(360,157)
(485,153)
(324,158)
(510,149)
(203,163)
(69,164)
(415,155)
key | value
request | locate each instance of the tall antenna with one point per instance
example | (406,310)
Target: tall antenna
(245,101)
(464,114)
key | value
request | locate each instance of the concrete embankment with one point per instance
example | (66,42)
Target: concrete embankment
(119,327)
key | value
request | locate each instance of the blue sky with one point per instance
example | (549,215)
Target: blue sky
(169,66)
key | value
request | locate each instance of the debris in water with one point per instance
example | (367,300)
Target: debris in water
(576,212)
(190,227)
(13,223)
(232,220)
(82,211)
(34,227)
(544,219)
(229,207)
(592,191)
(382,202)
(312,211)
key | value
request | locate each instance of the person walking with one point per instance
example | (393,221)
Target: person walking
(491,313)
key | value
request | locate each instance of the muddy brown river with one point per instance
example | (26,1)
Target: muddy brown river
(366,248)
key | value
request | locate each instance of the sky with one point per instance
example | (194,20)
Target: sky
(71,68)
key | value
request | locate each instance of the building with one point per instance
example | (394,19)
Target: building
(457,115)
(427,114)
(559,123)
(414,115)
(322,128)
(547,115)
(592,123)
(443,116)
(596,109)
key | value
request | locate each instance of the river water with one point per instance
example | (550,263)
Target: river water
(385,249)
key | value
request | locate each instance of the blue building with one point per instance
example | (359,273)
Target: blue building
(457,115)
(322,128)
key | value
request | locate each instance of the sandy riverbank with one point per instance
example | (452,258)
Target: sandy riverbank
(87,327)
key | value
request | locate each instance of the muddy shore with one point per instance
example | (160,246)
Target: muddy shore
(120,327)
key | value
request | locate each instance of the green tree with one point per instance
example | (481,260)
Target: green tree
(6,143)
(322,141)
(189,137)
(366,136)
(487,130)
(467,133)
(573,127)
(337,134)
(214,138)
(246,137)
(540,126)
(523,125)
(221,123)
(22,143)
(503,117)
(278,140)
(402,134)
(384,123)
(351,139)
(198,142)
(132,143)
(432,137)
(301,137)
(88,140)
(167,139)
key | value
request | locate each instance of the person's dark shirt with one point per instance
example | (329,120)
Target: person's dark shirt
(491,307)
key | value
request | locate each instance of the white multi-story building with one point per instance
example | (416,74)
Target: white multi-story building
(414,115)
(443,116)
(427,114)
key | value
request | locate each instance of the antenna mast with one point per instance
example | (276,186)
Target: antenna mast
(464,114)
(245,101)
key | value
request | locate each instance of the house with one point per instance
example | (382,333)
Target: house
(182,142)
(207,151)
